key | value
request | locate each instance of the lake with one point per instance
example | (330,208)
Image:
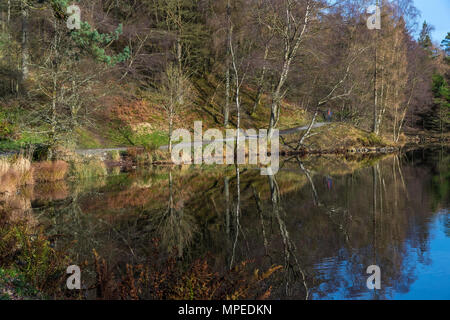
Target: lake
(324,219)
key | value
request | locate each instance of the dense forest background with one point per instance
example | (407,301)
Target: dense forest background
(136,69)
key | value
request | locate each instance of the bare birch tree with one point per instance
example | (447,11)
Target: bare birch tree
(175,92)
(291,29)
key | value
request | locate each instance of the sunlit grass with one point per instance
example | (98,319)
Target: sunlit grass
(25,139)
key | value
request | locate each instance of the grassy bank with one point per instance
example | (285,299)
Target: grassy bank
(339,138)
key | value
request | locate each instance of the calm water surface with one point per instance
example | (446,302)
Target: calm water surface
(324,219)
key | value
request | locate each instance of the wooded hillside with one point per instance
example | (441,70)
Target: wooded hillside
(136,69)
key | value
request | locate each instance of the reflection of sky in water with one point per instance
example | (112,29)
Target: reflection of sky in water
(433,280)
(430,274)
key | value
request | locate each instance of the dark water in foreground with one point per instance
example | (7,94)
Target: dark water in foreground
(325,220)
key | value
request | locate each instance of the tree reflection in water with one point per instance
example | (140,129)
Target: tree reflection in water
(174,226)
(324,219)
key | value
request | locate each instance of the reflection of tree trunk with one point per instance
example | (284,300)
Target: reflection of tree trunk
(306,172)
(401,177)
(238,212)
(289,246)
(260,211)
(382,188)
(227,204)
(317,202)
(374,217)
(394,174)
(170,203)
(175,227)
(375,176)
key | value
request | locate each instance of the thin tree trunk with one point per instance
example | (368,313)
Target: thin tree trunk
(9,12)
(382,94)
(170,132)
(308,131)
(237,90)
(25,53)
(400,126)
(289,53)
(179,54)
(53,111)
(4,21)
(325,100)
(226,110)
(261,81)
(375,89)
(55,86)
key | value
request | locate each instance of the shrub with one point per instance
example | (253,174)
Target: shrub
(4,166)
(144,158)
(371,140)
(22,167)
(160,155)
(50,171)
(41,152)
(115,155)
(14,286)
(15,174)
(133,152)
(39,265)
(198,282)
(8,130)
(88,169)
